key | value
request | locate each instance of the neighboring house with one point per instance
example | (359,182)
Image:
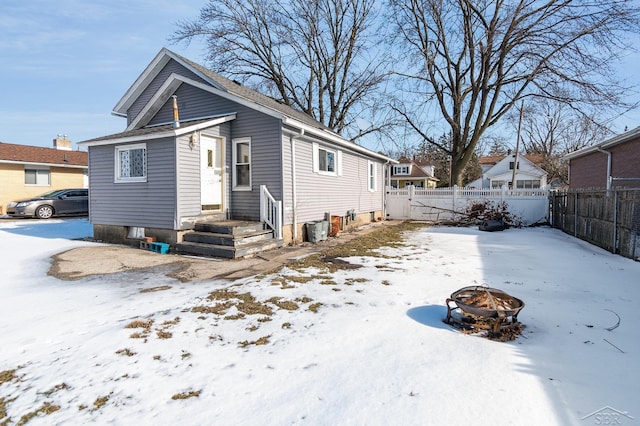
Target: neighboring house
(497,171)
(199,147)
(27,171)
(614,162)
(416,172)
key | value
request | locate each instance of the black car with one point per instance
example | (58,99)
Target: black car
(54,203)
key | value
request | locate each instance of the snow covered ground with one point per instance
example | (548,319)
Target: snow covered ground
(357,347)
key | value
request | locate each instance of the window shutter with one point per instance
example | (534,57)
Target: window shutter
(339,161)
(314,155)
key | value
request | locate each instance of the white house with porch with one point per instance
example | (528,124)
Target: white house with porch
(498,172)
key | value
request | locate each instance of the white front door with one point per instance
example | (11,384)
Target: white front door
(211,165)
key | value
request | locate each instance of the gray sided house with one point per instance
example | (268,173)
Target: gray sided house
(200,150)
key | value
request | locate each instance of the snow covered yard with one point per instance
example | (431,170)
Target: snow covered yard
(362,346)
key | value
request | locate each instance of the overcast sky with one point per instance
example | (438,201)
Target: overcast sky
(64,64)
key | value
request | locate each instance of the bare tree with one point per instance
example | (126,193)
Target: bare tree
(552,130)
(476,59)
(317,56)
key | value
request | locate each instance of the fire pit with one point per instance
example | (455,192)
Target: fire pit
(484,308)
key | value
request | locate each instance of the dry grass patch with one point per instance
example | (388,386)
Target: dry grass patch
(363,245)
(251,307)
(100,402)
(163,334)
(3,410)
(145,325)
(217,309)
(386,282)
(352,281)
(185,395)
(174,321)
(314,307)
(125,351)
(154,289)
(46,409)
(286,325)
(261,341)
(7,376)
(235,317)
(140,324)
(284,304)
(222,294)
(55,389)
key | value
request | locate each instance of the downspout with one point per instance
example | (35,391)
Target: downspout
(387,173)
(294,197)
(608,168)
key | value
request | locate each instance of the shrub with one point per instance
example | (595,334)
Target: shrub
(488,210)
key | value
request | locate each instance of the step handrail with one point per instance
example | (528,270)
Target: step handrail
(271,211)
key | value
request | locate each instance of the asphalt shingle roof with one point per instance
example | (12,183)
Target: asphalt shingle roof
(36,154)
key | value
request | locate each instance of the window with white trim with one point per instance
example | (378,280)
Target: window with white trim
(37,177)
(242,164)
(528,184)
(327,161)
(131,163)
(402,170)
(372,176)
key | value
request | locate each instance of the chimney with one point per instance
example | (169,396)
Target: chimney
(176,119)
(61,142)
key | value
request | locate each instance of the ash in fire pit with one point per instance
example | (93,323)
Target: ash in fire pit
(485,308)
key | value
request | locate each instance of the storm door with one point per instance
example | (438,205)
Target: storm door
(211,167)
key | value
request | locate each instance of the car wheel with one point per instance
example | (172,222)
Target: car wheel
(44,212)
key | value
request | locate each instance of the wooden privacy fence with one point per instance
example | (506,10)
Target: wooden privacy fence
(445,204)
(607,218)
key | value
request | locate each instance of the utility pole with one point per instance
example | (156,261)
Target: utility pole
(515,162)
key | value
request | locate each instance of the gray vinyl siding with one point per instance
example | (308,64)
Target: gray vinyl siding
(171,67)
(144,204)
(188,182)
(265,132)
(266,160)
(318,194)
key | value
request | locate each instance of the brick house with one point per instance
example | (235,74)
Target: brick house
(27,171)
(612,163)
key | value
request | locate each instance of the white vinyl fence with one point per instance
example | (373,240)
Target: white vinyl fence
(444,204)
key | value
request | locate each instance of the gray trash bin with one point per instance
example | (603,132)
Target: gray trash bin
(317,230)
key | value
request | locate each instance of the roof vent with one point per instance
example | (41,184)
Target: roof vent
(176,119)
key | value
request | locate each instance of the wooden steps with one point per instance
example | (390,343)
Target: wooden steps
(228,239)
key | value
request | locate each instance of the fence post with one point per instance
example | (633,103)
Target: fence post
(455,198)
(575,215)
(614,248)
(412,194)
(503,192)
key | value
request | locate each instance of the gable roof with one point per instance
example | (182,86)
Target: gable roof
(616,140)
(216,81)
(26,154)
(416,171)
(491,160)
(222,86)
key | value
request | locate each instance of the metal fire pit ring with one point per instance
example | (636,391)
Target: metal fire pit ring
(500,308)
